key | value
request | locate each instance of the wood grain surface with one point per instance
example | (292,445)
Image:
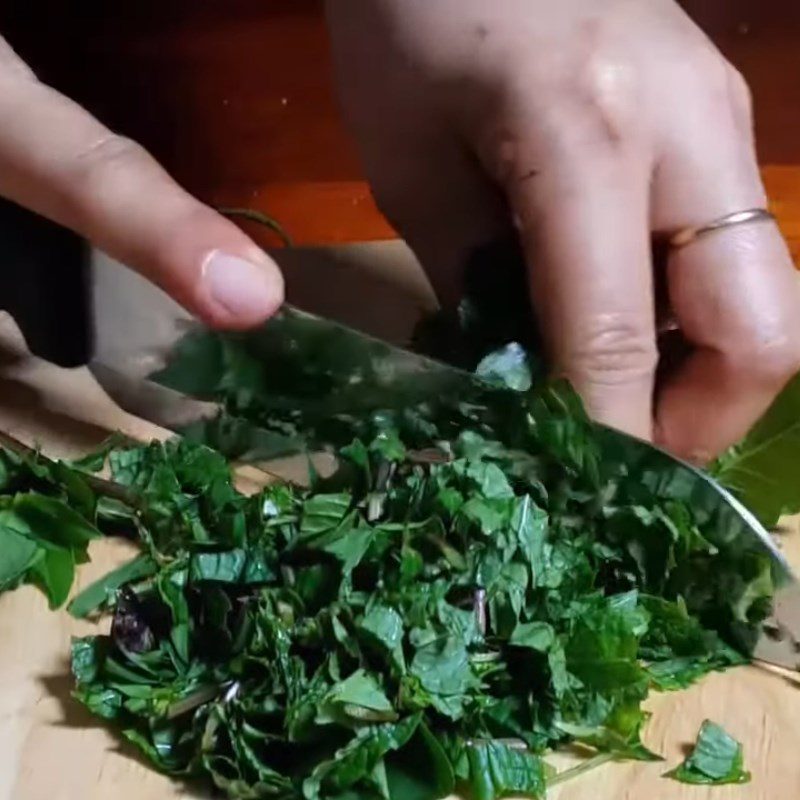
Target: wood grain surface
(52,749)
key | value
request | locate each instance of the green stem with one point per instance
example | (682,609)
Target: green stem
(261,219)
(99,486)
(581,769)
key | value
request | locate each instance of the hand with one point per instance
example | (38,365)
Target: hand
(592,124)
(57,160)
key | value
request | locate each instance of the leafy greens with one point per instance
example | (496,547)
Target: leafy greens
(762,469)
(47,519)
(481,581)
(468,607)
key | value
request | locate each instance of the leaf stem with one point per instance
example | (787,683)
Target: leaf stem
(100,486)
(199,698)
(261,219)
(581,769)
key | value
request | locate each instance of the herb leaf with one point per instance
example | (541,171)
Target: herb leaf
(103,591)
(762,469)
(497,771)
(717,759)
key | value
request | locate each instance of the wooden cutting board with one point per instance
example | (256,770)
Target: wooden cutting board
(52,749)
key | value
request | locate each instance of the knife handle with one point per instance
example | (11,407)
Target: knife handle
(44,285)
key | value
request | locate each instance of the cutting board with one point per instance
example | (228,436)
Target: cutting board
(52,749)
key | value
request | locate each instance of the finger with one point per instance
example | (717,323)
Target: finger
(583,218)
(59,161)
(734,293)
(425,181)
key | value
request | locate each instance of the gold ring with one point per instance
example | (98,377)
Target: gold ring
(688,235)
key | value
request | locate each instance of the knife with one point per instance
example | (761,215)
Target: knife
(137,331)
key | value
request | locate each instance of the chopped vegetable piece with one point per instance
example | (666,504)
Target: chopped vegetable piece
(716,759)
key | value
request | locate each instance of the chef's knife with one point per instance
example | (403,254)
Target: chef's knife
(138,331)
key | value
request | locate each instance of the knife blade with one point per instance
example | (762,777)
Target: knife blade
(138,376)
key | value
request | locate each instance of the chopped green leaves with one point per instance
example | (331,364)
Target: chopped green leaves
(42,537)
(478,583)
(507,367)
(716,759)
(18,555)
(318,644)
(103,592)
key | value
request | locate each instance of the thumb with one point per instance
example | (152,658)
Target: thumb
(58,161)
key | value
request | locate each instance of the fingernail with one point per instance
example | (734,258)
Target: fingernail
(243,289)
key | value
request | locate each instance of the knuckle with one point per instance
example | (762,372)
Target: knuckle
(605,87)
(606,92)
(617,350)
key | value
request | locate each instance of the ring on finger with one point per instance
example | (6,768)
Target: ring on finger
(692,233)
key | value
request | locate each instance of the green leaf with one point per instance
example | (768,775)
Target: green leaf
(323,512)
(222,567)
(351,546)
(95,461)
(538,636)
(87,657)
(198,366)
(17,555)
(602,652)
(762,469)
(529,523)
(171,590)
(360,689)
(497,771)
(421,770)
(359,697)
(384,626)
(388,445)
(53,573)
(506,578)
(717,759)
(443,669)
(489,516)
(489,480)
(507,368)
(51,520)
(356,762)
(103,591)
(621,736)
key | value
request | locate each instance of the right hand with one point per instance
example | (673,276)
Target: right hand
(60,162)
(591,125)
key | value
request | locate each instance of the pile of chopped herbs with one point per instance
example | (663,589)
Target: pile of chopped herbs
(479,583)
(420,622)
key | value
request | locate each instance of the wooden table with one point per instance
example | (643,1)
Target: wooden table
(52,749)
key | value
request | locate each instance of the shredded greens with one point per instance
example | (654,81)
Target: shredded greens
(479,583)
(308,643)
(423,621)
(47,519)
